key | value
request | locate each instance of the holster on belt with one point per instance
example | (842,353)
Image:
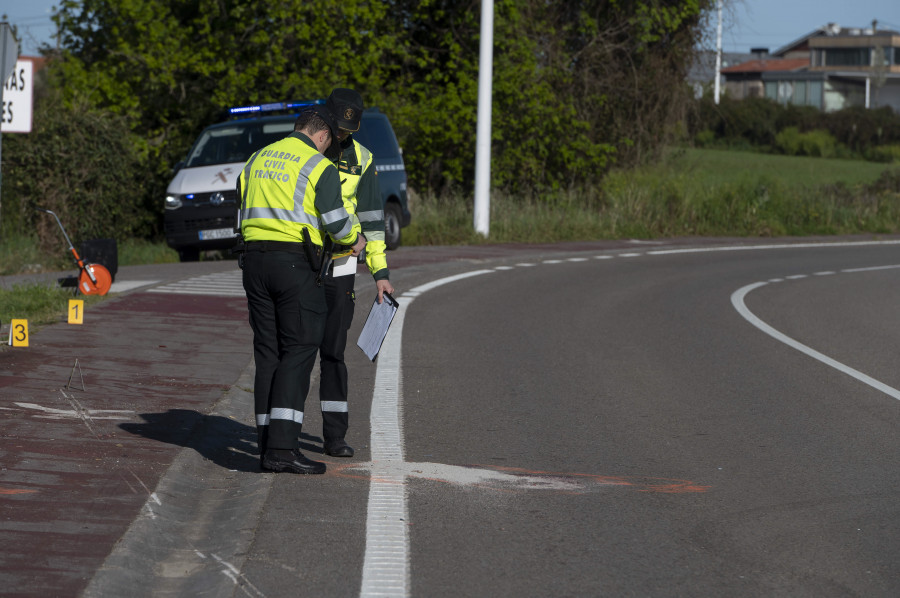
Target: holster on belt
(312,252)
(239,245)
(327,253)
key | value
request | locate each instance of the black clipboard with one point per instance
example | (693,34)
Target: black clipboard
(376,327)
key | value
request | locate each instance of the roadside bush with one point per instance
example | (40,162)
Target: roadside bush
(795,130)
(817,143)
(81,163)
(789,141)
(704,138)
(861,129)
(883,153)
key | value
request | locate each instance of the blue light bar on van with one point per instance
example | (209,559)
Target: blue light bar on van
(273,106)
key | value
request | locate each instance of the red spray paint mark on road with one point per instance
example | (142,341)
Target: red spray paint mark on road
(8,491)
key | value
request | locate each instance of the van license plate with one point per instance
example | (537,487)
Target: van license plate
(216,233)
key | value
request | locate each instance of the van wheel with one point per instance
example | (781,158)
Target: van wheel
(189,254)
(392,226)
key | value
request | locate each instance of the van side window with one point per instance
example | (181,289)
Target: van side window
(377,135)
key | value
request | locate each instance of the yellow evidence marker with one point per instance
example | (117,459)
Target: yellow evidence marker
(18,333)
(76,311)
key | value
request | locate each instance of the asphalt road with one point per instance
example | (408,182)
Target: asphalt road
(673,419)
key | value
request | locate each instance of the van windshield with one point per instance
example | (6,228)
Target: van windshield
(236,143)
(376,134)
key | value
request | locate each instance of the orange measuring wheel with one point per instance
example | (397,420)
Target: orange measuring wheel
(102,280)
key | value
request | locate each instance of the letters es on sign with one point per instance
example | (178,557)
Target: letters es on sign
(15,116)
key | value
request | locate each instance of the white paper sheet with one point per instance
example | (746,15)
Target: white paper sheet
(375,329)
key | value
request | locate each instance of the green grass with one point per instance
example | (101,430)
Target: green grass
(135,252)
(47,303)
(40,304)
(22,254)
(690,192)
(723,167)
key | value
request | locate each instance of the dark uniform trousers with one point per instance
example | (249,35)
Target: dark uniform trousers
(333,371)
(287,315)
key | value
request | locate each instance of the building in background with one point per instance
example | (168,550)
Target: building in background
(830,68)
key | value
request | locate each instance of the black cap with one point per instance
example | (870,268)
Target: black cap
(346,107)
(322,113)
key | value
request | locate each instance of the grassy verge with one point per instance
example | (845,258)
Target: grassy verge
(21,254)
(40,304)
(688,193)
(47,303)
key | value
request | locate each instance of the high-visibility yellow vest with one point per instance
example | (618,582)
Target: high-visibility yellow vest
(350,178)
(278,184)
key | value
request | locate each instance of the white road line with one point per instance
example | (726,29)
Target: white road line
(386,562)
(737,299)
(127,285)
(782,246)
(220,284)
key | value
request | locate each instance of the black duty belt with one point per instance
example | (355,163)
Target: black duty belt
(276,246)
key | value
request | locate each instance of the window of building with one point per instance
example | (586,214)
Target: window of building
(847,57)
(814,97)
(799,93)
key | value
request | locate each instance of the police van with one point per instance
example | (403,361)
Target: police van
(201,201)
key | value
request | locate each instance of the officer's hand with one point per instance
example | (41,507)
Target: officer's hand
(360,244)
(383,286)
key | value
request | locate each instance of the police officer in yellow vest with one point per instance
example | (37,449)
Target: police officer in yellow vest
(362,199)
(290,199)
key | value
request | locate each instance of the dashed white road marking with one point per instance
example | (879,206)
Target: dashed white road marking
(777,246)
(737,299)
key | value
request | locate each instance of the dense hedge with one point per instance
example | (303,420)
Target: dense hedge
(758,122)
(82,164)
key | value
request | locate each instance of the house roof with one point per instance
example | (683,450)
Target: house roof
(769,64)
(39,62)
(830,30)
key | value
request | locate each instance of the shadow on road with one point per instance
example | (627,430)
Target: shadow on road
(222,440)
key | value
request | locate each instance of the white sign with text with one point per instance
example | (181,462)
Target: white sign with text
(18,91)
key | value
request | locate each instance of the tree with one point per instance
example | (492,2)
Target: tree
(80,162)
(577,85)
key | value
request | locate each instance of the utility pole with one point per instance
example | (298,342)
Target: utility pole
(718,50)
(483,129)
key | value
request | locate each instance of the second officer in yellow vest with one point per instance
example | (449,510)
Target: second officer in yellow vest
(362,199)
(289,193)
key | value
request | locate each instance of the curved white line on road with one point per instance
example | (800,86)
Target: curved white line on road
(386,561)
(737,299)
